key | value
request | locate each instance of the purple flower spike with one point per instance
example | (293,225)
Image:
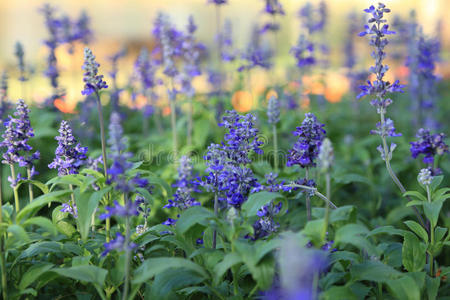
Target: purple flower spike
(93,82)
(69,155)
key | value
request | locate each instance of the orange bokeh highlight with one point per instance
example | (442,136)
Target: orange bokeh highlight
(271,93)
(65,107)
(336,86)
(242,101)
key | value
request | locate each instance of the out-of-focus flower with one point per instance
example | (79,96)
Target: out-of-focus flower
(273,110)
(117,244)
(303,52)
(429,145)
(425,177)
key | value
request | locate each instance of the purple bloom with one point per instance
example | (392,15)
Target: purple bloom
(124,211)
(313,18)
(15,138)
(93,82)
(117,244)
(119,156)
(303,52)
(218,2)
(378,29)
(429,145)
(69,155)
(228,176)
(82,31)
(385,130)
(256,55)
(306,149)
(70,208)
(227,51)
(274,7)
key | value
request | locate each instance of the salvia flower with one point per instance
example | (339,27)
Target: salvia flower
(303,52)
(218,2)
(306,149)
(186,186)
(429,145)
(326,155)
(69,155)
(266,224)
(257,54)
(20,58)
(128,210)
(16,136)
(4,102)
(378,30)
(70,208)
(228,52)
(93,82)
(425,176)
(273,110)
(118,244)
(228,174)
(387,129)
(313,18)
(82,30)
(120,159)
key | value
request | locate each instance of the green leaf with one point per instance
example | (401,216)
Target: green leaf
(192,216)
(439,233)
(39,202)
(343,213)
(42,222)
(349,178)
(38,184)
(313,230)
(74,179)
(34,273)
(416,195)
(404,288)
(91,274)
(19,236)
(436,182)
(339,292)
(256,201)
(432,211)
(417,229)
(415,203)
(171,280)
(199,133)
(228,261)
(87,203)
(432,286)
(391,230)
(154,266)
(374,271)
(354,234)
(413,253)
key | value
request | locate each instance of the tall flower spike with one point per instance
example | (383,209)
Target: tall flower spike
(186,186)
(69,155)
(15,138)
(4,102)
(326,155)
(120,159)
(273,110)
(20,59)
(303,52)
(92,81)
(378,29)
(306,149)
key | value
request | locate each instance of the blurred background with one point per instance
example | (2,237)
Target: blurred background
(118,24)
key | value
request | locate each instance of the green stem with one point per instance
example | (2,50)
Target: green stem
(127,254)
(2,246)
(308,199)
(190,123)
(327,207)
(105,159)
(216,213)
(3,262)
(316,192)
(275,146)
(30,186)
(315,284)
(387,158)
(431,233)
(16,192)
